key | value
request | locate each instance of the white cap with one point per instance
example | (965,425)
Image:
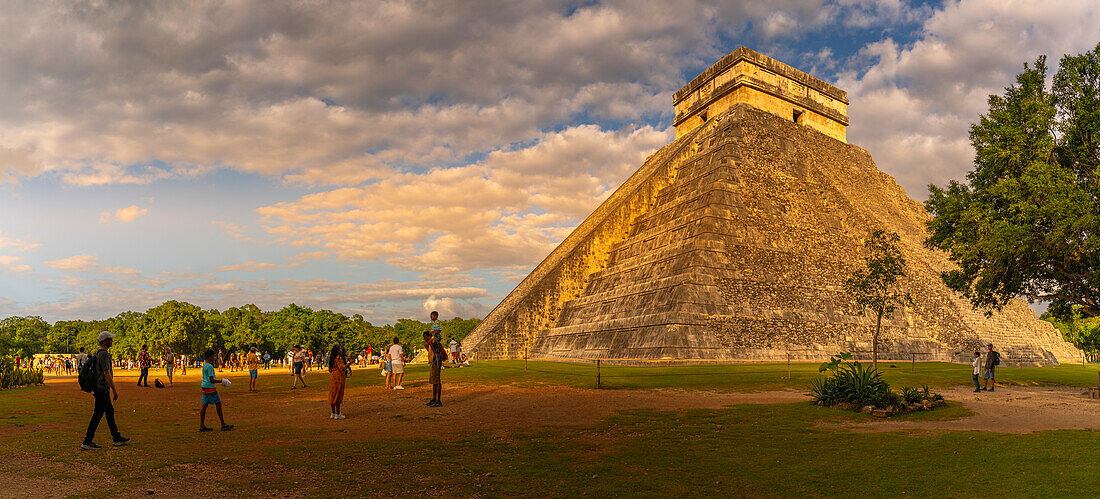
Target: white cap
(105,336)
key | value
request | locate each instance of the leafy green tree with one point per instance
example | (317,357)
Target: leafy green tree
(189,329)
(243,327)
(875,287)
(289,326)
(1077,328)
(179,325)
(23,336)
(1027,222)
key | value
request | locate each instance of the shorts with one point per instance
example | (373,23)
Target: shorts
(168,370)
(433,374)
(252,373)
(389,367)
(211,398)
(397,367)
(298,367)
(988,374)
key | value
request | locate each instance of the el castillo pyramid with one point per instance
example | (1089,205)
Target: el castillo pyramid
(733,243)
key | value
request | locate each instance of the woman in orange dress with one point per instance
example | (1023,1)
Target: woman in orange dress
(338,374)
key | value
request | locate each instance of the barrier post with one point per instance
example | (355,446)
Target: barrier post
(524,358)
(597,374)
(788,364)
(913,357)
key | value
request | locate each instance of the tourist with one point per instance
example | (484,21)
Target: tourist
(461,359)
(267,361)
(104,393)
(435,365)
(253,362)
(437,327)
(184,359)
(339,370)
(299,364)
(384,361)
(992,360)
(210,393)
(169,364)
(977,365)
(454,351)
(144,362)
(81,358)
(397,364)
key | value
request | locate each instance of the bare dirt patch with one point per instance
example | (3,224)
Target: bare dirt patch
(1009,409)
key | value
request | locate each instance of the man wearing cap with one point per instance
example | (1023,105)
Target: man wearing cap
(104,392)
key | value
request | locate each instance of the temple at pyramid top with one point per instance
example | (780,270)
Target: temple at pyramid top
(746,76)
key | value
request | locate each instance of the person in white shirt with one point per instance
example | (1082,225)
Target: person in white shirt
(397,364)
(977,365)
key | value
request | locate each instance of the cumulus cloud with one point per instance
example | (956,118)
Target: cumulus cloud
(340,93)
(124,215)
(449,307)
(16,243)
(254,266)
(507,210)
(88,263)
(11,263)
(912,105)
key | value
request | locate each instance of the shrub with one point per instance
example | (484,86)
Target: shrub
(14,377)
(911,395)
(854,384)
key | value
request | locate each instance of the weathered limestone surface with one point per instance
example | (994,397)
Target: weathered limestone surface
(748,77)
(733,243)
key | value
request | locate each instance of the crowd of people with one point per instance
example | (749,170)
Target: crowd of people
(391,359)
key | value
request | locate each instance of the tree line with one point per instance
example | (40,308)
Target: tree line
(187,328)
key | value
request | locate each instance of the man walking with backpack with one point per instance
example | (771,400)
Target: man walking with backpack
(98,377)
(992,360)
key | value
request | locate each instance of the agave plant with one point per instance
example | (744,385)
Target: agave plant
(912,395)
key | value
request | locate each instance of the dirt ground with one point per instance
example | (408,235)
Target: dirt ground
(466,407)
(1010,409)
(373,413)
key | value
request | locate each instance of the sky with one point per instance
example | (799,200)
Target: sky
(392,158)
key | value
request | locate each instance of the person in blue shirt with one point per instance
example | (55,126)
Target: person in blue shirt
(437,328)
(210,392)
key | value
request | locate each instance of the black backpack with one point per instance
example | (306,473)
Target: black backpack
(88,378)
(996,358)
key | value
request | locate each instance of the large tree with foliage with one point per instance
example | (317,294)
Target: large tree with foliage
(876,286)
(189,329)
(1077,328)
(23,336)
(1027,222)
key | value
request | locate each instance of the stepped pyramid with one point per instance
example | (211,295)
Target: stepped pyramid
(733,242)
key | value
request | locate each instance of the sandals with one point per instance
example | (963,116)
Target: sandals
(227,427)
(206,428)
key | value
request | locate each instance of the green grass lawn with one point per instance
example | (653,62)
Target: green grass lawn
(752,377)
(744,450)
